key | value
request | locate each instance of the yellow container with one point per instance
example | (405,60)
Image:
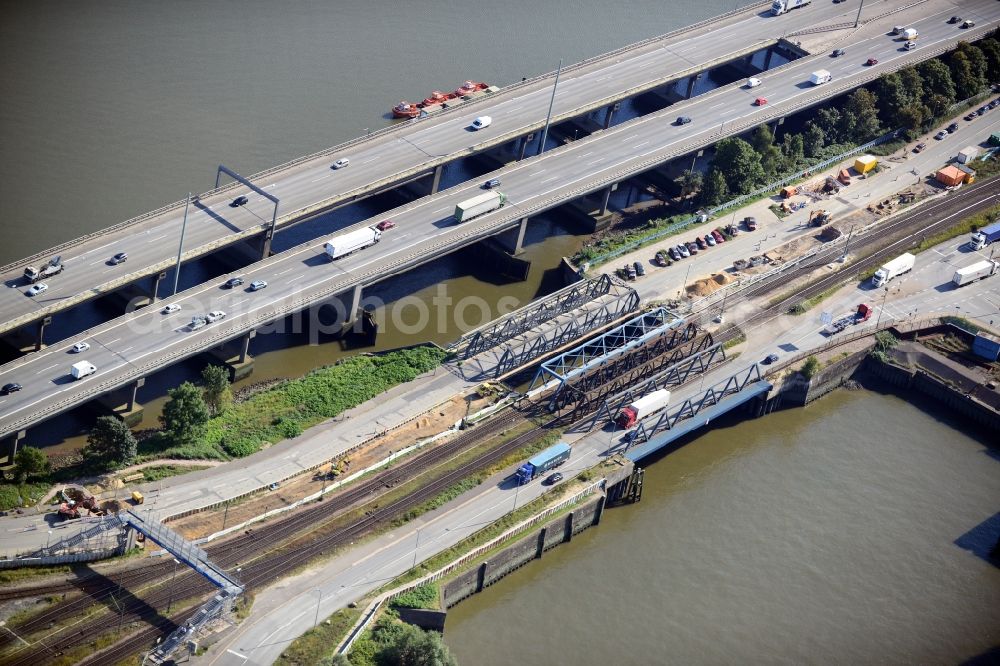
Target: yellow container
(137,497)
(865,163)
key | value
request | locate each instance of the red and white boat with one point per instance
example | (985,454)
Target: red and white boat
(410,110)
(405,110)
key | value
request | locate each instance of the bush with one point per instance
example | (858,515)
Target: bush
(810,367)
(423,596)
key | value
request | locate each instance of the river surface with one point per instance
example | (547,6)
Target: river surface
(116,108)
(834,534)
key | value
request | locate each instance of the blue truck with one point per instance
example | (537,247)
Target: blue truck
(984,237)
(549,458)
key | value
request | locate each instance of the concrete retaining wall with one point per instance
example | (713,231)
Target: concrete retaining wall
(528,548)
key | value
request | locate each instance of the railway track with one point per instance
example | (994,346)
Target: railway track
(257,571)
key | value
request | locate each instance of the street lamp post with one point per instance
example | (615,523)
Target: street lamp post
(415,546)
(180,247)
(318,601)
(170,602)
(517,489)
(885,294)
(548,117)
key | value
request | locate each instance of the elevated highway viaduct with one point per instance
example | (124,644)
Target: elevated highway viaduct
(420,149)
(133,346)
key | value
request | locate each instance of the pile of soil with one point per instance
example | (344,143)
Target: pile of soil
(708,285)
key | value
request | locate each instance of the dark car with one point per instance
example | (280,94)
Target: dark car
(968,24)
(639,269)
(239,201)
(385,225)
(118,258)
(972,115)
(771,358)
(692,248)
(12,387)
(661,258)
(701,243)
(232,283)
(719,238)
(553,478)
(491,183)
(837,53)
(871,62)
(981,111)
(954,19)
(951,128)
(751,223)
(920,146)
(682,120)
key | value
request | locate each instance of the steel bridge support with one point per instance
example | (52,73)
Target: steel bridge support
(524,146)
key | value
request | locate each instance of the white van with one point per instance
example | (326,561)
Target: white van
(82,369)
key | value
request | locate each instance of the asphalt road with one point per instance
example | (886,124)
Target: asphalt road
(142,342)
(283,612)
(415,147)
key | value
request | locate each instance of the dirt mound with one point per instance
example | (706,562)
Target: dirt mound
(709,285)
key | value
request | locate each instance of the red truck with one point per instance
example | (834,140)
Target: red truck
(642,407)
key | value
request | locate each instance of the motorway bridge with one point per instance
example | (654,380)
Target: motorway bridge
(133,346)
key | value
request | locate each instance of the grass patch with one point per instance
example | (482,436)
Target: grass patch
(963,227)
(422,596)
(809,303)
(320,641)
(626,240)
(963,323)
(13,495)
(157,472)
(289,408)
(739,339)
(887,148)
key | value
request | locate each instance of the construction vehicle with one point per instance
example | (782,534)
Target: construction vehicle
(54,267)
(642,408)
(901,264)
(844,177)
(551,457)
(78,501)
(977,271)
(819,217)
(862,314)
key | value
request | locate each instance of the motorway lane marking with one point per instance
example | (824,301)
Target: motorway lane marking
(640,145)
(597,161)
(629,138)
(287,270)
(321,178)
(548,179)
(153,240)
(48,368)
(587,154)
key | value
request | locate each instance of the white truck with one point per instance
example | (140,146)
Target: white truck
(480,205)
(779,7)
(977,271)
(901,264)
(343,245)
(82,369)
(642,407)
(909,34)
(985,236)
(819,77)
(54,267)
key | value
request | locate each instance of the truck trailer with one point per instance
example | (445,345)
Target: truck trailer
(901,264)
(549,458)
(820,76)
(343,245)
(861,315)
(642,408)
(985,236)
(54,267)
(82,369)
(977,271)
(779,7)
(480,205)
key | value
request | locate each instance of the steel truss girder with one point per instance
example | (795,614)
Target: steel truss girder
(690,407)
(516,355)
(524,319)
(668,370)
(663,350)
(617,341)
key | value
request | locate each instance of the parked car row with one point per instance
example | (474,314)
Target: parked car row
(981,111)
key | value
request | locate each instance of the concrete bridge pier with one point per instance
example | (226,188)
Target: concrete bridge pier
(40,332)
(690,85)
(235,356)
(122,402)
(605,198)
(524,145)
(9,445)
(436,180)
(610,114)
(519,245)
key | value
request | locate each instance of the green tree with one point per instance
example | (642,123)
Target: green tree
(810,367)
(990,48)
(813,139)
(913,82)
(216,390)
(715,190)
(913,117)
(828,120)
(969,78)
(28,462)
(740,165)
(892,96)
(415,647)
(937,79)
(185,413)
(110,444)
(938,105)
(688,182)
(770,155)
(862,107)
